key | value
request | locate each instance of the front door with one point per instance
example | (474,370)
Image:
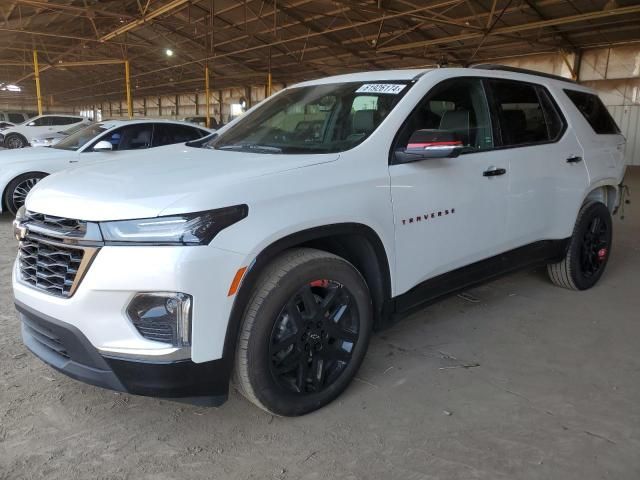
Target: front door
(449,212)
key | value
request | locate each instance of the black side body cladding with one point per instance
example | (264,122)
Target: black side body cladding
(538,253)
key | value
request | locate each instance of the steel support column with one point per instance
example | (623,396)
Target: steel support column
(207,96)
(127,75)
(36,73)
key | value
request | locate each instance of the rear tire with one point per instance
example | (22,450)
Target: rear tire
(305,332)
(588,252)
(14,140)
(18,188)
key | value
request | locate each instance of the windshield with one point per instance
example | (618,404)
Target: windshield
(78,139)
(74,129)
(315,119)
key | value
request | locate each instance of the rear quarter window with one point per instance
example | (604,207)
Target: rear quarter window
(594,111)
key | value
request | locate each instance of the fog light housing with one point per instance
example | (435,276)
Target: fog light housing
(162,317)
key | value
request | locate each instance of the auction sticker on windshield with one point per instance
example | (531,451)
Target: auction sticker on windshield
(391,88)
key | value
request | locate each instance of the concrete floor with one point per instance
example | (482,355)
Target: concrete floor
(555,395)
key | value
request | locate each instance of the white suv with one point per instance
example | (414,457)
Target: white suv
(272,250)
(19,136)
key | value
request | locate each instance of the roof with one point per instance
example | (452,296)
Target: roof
(120,122)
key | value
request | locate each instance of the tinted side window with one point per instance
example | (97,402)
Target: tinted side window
(521,117)
(594,111)
(56,121)
(167,134)
(16,118)
(458,106)
(133,137)
(41,122)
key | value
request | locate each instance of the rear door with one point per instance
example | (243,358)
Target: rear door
(547,174)
(604,144)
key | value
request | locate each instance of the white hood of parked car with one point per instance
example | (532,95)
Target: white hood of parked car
(160,181)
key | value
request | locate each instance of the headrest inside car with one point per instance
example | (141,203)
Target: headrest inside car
(457,121)
(364,121)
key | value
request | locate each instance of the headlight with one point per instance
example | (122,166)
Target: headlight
(45,142)
(186,229)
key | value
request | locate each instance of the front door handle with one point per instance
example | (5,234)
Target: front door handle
(494,172)
(574,159)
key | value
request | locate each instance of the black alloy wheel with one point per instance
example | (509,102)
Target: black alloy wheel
(588,251)
(595,247)
(313,337)
(304,333)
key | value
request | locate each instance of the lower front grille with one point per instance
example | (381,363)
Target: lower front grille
(50,267)
(46,338)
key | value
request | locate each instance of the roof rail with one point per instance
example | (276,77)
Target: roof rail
(491,66)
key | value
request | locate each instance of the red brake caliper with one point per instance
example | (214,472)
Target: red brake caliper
(602,254)
(319,283)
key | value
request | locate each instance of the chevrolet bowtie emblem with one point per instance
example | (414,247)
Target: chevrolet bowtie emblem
(19,231)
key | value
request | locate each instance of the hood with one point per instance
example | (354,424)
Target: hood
(19,155)
(144,184)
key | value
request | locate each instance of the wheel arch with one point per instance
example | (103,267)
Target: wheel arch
(606,193)
(357,243)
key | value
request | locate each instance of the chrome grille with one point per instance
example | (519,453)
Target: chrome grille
(57,226)
(49,267)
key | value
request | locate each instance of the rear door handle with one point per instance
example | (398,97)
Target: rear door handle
(494,172)
(574,159)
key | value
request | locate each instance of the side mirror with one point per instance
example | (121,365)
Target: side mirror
(425,144)
(103,146)
(31,124)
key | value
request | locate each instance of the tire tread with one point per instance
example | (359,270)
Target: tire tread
(561,273)
(269,280)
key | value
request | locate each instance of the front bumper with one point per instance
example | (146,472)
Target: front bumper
(118,273)
(65,348)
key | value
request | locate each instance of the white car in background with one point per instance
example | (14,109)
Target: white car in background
(51,139)
(15,117)
(20,170)
(20,136)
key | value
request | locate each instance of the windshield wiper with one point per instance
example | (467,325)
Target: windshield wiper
(251,147)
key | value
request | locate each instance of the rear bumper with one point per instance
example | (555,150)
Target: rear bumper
(65,348)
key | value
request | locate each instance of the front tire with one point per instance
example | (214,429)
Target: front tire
(16,192)
(14,140)
(304,334)
(589,250)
